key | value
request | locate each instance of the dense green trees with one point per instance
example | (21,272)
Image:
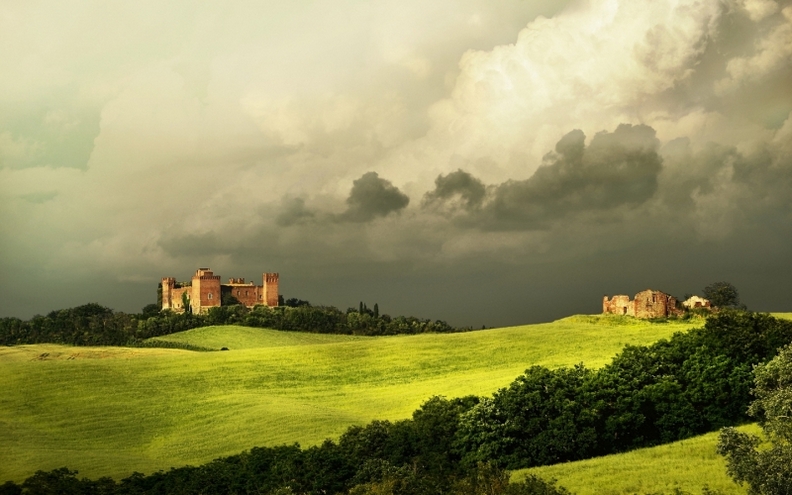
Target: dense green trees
(695,382)
(228,299)
(766,471)
(92,324)
(541,418)
(722,295)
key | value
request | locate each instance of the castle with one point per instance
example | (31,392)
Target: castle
(205,291)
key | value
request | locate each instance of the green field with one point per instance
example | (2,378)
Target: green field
(687,465)
(111,411)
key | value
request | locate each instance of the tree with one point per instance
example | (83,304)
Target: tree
(766,471)
(293,302)
(10,488)
(376,310)
(228,299)
(60,481)
(722,295)
(186,302)
(150,310)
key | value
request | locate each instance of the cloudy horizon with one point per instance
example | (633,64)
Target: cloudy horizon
(485,164)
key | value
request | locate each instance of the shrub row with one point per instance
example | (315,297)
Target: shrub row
(92,324)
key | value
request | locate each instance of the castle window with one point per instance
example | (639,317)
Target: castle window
(210,295)
(246,292)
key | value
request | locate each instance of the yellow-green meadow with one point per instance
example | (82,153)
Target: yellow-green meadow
(109,411)
(687,465)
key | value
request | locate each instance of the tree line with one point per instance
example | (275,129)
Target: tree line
(696,381)
(93,324)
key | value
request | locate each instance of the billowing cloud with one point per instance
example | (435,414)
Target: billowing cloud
(293,211)
(616,169)
(372,197)
(454,191)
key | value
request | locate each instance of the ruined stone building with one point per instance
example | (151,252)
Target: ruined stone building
(694,302)
(205,291)
(646,304)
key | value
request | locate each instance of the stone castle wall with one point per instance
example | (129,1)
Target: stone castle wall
(205,291)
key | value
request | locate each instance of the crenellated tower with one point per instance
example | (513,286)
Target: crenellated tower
(168,284)
(205,290)
(271,289)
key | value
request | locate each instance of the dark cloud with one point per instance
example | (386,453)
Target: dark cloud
(718,184)
(616,169)
(293,211)
(372,197)
(454,191)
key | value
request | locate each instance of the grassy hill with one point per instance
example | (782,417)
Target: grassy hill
(236,337)
(112,411)
(687,465)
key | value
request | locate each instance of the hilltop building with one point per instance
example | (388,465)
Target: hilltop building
(694,302)
(646,304)
(205,291)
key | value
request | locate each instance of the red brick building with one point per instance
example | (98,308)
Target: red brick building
(205,291)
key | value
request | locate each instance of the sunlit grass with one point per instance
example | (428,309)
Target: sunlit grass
(112,411)
(687,465)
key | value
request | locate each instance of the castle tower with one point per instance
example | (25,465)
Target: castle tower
(205,290)
(168,284)
(271,289)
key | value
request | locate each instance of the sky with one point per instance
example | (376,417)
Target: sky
(484,163)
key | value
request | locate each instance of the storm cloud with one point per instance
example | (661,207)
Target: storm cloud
(293,211)
(457,190)
(372,197)
(616,169)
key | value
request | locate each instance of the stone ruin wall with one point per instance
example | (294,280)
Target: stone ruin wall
(619,305)
(694,302)
(655,304)
(646,304)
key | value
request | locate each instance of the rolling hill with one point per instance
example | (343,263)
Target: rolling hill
(686,465)
(109,411)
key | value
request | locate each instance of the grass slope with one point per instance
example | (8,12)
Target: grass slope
(112,411)
(687,465)
(236,337)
